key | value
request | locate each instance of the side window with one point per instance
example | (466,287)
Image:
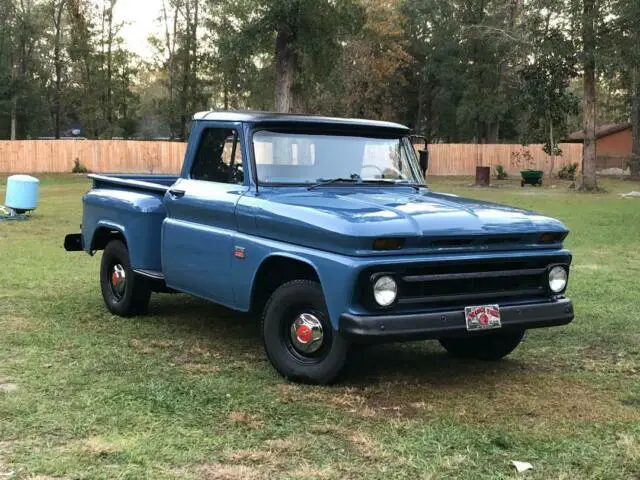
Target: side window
(219,157)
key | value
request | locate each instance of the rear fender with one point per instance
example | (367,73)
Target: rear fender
(102,234)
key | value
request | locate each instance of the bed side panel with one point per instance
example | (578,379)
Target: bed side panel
(136,214)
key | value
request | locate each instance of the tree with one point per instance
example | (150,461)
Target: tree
(625,65)
(370,78)
(546,75)
(589,44)
(178,56)
(300,34)
(22,25)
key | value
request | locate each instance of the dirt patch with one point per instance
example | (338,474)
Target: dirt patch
(197,354)
(362,443)
(18,324)
(201,368)
(46,477)
(98,447)
(365,445)
(219,471)
(7,387)
(5,470)
(151,346)
(272,454)
(629,445)
(587,266)
(502,396)
(245,419)
(306,471)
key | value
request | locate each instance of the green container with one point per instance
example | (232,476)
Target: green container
(531,177)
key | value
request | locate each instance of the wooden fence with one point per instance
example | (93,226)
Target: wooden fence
(462,159)
(55,156)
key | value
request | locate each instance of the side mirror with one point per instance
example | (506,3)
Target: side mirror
(424,160)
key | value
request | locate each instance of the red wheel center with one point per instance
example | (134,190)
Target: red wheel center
(114,279)
(304,334)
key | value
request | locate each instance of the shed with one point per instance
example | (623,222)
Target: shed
(613,147)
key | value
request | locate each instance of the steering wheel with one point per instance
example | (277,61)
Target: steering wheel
(382,171)
(376,167)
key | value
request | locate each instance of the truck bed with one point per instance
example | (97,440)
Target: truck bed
(153,183)
(131,206)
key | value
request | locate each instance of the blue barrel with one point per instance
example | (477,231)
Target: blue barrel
(22,193)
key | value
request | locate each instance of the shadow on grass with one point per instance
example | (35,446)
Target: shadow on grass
(235,333)
(398,380)
(421,362)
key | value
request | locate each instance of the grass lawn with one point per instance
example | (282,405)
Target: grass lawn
(186,391)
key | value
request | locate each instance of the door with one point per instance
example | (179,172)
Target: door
(197,234)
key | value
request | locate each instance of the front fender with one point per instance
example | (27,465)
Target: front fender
(336,273)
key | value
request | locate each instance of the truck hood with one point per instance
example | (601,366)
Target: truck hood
(346,220)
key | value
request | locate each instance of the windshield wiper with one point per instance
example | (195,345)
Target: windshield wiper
(355,178)
(404,183)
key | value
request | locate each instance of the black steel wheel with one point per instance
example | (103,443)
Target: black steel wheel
(124,293)
(488,347)
(298,337)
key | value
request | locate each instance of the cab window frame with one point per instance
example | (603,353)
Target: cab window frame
(238,157)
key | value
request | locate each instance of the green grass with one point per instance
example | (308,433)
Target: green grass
(186,391)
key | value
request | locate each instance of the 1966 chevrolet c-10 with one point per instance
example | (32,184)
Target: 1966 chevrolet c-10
(325,228)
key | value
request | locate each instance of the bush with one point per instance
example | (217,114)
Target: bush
(568,172)
(501,173)
(79,167)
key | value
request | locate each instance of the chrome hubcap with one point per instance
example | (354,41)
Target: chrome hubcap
(306,333)
(118,280)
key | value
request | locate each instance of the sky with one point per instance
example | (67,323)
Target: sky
(141,21)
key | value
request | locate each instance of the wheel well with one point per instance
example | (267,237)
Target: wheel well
(103,236)
(274,272)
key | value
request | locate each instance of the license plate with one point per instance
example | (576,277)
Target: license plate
(483,317)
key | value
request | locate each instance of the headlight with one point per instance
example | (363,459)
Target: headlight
(385,290)
(557,279)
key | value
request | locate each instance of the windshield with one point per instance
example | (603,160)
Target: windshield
(284,157)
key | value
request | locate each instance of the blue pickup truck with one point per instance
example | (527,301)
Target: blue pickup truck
(325,229)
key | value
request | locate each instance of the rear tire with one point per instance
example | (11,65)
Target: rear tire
(294,311)
(125,293)
(490,347)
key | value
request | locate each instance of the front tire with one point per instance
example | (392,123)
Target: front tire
(490,347)
(125,293)
(298,336)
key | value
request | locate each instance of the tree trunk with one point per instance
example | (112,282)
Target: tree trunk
(14,104)
(419,114)
(108,87)
(589,180)
(57,52)
(285,70)
(170,43)
(635,123)
(552,148)
(194,70)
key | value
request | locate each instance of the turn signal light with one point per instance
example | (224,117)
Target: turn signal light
(388,243)
(552,237)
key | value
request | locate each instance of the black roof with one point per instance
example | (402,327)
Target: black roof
(289,118)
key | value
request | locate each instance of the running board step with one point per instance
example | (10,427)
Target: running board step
(151,274)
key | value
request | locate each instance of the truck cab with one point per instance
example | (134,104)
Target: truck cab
(325,229)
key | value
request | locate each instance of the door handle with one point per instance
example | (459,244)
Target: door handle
(176,193)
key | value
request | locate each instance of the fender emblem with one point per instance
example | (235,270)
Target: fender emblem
(239,252)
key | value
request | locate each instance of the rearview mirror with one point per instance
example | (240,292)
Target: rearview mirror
(424,160)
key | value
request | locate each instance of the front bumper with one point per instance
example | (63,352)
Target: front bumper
(419,326)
